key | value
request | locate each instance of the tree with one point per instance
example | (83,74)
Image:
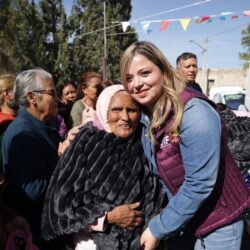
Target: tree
(17,37)
(40,34)
(245,41)
(87,22)
(4,51)
(56,53)
(34,35)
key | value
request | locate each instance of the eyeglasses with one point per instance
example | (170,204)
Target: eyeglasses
(51,92)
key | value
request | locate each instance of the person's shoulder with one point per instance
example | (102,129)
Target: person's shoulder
(198,108)
(6,118)
(198,103)
(78,103)
(78,106)
(15,126)
(21,125)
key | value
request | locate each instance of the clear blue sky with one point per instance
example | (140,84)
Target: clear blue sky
(224,36)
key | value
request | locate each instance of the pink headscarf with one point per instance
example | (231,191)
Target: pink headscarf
(102,106)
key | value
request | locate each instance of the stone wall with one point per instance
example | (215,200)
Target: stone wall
(222,77)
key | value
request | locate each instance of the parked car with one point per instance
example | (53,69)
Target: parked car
(233,97)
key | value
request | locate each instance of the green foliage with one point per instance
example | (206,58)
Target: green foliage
(245,41)
(17,36)
(56,53)
(40,34)
(88,30)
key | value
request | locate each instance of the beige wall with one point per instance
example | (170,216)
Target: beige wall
(222,77)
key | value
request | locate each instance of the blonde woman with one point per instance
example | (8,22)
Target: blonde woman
(187,138)
(7,113)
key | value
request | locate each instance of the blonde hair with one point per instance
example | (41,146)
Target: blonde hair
(6,83)
(170,102)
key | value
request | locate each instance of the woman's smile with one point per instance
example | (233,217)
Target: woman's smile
(145,81)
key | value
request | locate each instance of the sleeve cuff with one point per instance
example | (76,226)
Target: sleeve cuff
(101,224)
(156,228)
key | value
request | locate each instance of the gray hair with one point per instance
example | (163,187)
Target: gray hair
(28,81)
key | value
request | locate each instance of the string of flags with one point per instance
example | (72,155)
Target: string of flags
(164,24)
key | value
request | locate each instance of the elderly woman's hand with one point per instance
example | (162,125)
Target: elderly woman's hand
(88,115)
(70,137)
(126,216)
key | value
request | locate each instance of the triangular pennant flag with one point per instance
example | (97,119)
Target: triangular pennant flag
(164,25)
(125,26)
(145,26)
(204,18)
(235,16)
(246,13)
(197,21)
(226,13)
(185,22)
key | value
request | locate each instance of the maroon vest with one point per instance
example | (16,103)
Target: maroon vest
(230,196)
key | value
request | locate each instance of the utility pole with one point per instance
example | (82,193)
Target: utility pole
(205,64)
(247,98)
(104,59)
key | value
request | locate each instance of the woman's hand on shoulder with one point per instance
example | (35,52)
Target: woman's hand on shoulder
(70,137)
(88,115)
(126,216)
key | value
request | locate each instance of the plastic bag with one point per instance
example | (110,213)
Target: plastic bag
(20,240)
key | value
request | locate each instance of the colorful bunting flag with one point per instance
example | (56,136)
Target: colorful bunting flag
(197,21)
(145,26)
(246,13)
(125,26)
(185,22)
(204,18)
(164,25)
(226,13)
(235,16)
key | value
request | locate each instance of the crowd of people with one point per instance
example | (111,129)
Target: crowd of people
(139,163)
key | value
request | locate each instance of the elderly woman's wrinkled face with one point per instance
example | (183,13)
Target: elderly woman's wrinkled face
(123,114)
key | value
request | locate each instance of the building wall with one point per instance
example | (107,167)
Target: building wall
(222,77)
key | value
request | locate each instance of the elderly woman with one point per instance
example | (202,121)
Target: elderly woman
(102,170)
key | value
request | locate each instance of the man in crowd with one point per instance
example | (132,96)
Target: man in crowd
(30,148)
(187,66)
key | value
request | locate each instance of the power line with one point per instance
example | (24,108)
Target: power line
(124,33)
(142,18)
(168,11)
(229,30)
(226,40)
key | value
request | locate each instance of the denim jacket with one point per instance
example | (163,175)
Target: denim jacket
(200,134)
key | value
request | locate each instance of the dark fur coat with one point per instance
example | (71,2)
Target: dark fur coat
(97,173)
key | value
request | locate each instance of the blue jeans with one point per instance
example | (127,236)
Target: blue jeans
(226,238)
